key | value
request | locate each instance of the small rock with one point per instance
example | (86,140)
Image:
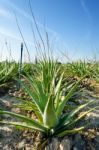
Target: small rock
(28,139)
(16,110)
(79,143)
(21,144)
(77,138)
(47,147)
(93,117)
(90,146)
(31,141)
(40,136)
(54,145)
(28,147)
(65,144)
(75,148)
(5,147)
(97,139)
(96,142)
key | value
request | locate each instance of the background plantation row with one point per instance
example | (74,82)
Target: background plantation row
(11,70)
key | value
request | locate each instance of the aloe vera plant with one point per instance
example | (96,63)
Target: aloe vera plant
(48,103)
(8,71)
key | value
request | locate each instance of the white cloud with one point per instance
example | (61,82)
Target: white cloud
(89,19)
(4,13)
(6,33)
(86,10)
(28,16)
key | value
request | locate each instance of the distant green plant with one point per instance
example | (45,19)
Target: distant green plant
(8,71)
(48,103)
(80,68)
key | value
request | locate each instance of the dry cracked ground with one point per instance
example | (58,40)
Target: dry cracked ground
(15,139)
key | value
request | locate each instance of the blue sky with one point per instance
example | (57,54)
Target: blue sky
(72,25)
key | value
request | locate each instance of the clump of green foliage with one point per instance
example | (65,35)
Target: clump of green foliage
(80,68)
(8,71)
(48,102)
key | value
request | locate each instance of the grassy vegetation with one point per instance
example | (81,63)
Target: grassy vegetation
(80,68)
(46,86)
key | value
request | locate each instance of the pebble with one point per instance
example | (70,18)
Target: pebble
(65,144)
